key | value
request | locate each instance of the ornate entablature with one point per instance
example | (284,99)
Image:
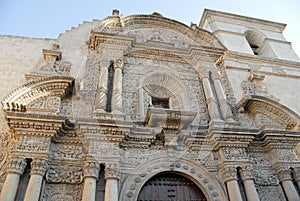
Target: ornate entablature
(153,100)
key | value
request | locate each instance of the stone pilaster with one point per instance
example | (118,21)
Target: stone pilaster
(116,103)
(229,176)
(225,108)
(209,95)
(112,175)
(248,181)
(38,170)
(101,96)
(15,168)
(91,172)
(284,175)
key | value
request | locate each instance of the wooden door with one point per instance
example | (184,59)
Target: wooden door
(170,187)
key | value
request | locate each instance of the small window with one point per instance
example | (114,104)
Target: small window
(160,102)
(255,40)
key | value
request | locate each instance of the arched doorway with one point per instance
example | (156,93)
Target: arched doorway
(169,186)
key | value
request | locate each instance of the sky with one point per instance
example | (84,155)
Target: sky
(47,19)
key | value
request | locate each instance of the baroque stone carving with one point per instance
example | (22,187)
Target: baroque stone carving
(62,192)
(64,174)
(112,171)
(267,193)
(7,143)
(47,104)
(103,149)
(265,178)
(38,167)
(91,169)
(33,144)
(229,173)
(16,165)
(235,154)
(66,152)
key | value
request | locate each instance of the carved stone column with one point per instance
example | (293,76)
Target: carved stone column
(101,96)
(111,186)
(284,175)
(210,98)
(38,170)
(248,181)
(116,102)
(225,109)
(297,175)
(229,175)
(15,168)
(91,172)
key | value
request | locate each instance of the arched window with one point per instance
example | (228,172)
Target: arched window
(255,40)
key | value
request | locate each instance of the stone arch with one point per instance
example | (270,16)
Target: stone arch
(255,39)
(273,109)
(199,175)
(164,85)
(56,86)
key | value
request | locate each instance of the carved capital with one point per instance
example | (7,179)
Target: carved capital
(112,171)
(229,173)
(91,169)
(16,165)
(119,63)
(204,74)
(247,173)
(104,63)
(284,173)
(38,166)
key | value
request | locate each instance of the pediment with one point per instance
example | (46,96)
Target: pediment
(272,109)
(156,29)
(36,92)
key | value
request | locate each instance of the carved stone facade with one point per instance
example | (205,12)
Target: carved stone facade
(112,104)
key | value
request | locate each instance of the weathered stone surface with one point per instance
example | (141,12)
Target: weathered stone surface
(112,103)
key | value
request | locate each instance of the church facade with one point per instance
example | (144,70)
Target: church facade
(142,107)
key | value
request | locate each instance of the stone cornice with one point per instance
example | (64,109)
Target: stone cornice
(100,38)
(254,59)
(186,56)
(230,138)
(265,23)
(34,124)
(280,139)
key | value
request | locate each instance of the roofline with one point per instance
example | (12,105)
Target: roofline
(208,12)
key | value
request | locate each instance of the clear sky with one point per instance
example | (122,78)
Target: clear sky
(47,19)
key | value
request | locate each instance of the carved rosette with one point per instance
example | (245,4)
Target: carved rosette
(91,169)
(247,173)
(284,173)
(38,167)
(16,165)
(229,173)
(112,171)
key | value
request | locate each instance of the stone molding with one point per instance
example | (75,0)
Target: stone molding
(198,174)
